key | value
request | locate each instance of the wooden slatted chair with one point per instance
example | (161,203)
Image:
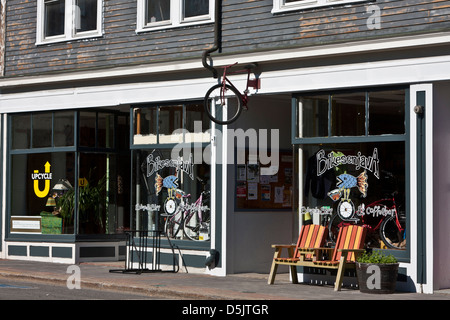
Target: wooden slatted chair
(349,245)
(311,236)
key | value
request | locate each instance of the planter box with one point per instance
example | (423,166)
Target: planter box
(377,278)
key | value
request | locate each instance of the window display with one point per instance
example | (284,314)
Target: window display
(68,188)
(359,179)
(172,194)
(172,172)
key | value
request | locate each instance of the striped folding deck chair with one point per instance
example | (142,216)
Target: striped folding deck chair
(350,243)
(311,236)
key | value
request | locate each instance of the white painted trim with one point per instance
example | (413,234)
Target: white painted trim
(3,250)
(268,56)
(279,6)
(428,88)
(405,71)
(176,17)
(69,24)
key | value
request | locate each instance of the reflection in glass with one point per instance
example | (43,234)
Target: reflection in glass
(326,187)
(348,114)
(21,131)
(193,8)
(54,17)
(157,11)
(165,188)
(42,130)
(85,15)
(313,116)
(63,129)
(387,112)
(31,189)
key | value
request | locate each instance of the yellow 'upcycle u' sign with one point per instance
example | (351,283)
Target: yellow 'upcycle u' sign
(46,176)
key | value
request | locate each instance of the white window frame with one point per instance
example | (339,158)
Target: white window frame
(176,17)
(281,6)
(69,24)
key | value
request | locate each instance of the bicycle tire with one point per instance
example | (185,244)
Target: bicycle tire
(233,98)
(391,236)
(172,227)
(334,225)
(192,230)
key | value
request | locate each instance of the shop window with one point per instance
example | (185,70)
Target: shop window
(370,113)
(170,124)
(172,194)
(315,109)
(62,20)
(159,14)
(355,174)
(387,112)
(348,114)
(38,182)
(42,130)
(21,131)
(97,129)
(66,188)
(63,129)
(171,170)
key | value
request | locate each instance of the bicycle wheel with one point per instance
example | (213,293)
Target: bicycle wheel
(333,228)
(173,227)
(393,236)
(223,107)
(195,229)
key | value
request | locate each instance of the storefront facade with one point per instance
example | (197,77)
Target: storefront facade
(334,128)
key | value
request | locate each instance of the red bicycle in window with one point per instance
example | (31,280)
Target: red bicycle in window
(383,220)
(223,102)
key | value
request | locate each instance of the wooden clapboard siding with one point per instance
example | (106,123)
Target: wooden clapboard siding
(120,44)
(247,26)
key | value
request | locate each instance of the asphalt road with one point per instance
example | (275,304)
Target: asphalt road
(18,290)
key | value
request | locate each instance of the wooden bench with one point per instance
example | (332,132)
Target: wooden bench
(311,236)
(349,245)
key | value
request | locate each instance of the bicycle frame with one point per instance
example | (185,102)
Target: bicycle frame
(198,206)
(254,83)
(392,207)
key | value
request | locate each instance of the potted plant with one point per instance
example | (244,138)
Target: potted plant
(91,200)
(377,272)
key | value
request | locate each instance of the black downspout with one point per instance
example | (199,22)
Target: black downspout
(216,46)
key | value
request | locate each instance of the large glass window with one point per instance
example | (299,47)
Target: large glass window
(37,182)
(59,187)
(172,194)
(351,159)
(170,124)
(171,170)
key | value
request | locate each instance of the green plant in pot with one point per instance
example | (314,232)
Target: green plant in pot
(91,202)
(377,272)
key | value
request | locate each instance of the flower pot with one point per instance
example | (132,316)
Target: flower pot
(377,278)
